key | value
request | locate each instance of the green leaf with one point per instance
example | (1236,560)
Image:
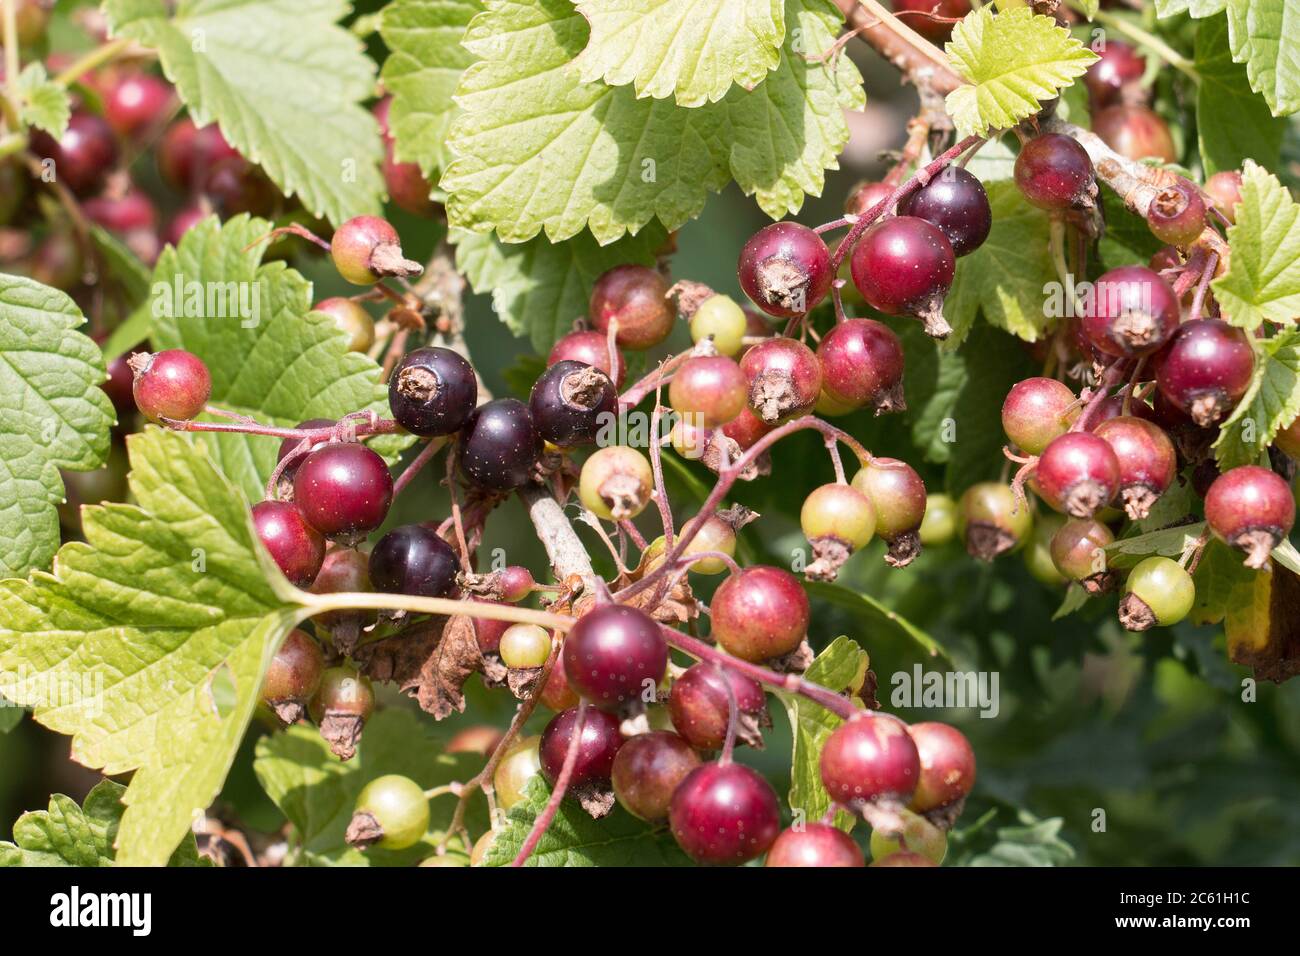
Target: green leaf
(11,715)
(270,356)
(318,792)
(42,102)
(1270,404)
(53,415)
(284,82)
(539,288)
(1034,843)
(69,835)
(1127,240)
(872,609)
(693,50)
(836,667)
(575,839)
(424,64)
(124,266)
(1169,542)
(1233,123)
(538,149)
(1263,278)
(137,629)
(1008,275)
(1013,63)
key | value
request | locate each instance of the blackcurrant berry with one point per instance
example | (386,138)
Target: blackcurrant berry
(296,546)
(524,645)
(1252,509)
(814,844)
(599,741)
(499,445)
(1205,369)
(1158,591)
(785,268)
(745,429)
(862,364)
(870,759)
(1136,132)
(956,202)
(904,266)
(392,812)
(1224,189)
(1055,173)
(1078,550)
(556,692)
(1147,460)
(785,379)
(992,520)
(343,490)
(865,196)
(939,523)
(614,656)
(83,156)
(637,298)
(1177,214)
(136,102)
(343,570)
(716,534)
(406,184)
(700,706)
(571,402)
(1035,411)
(294,676)
(898,495)
(616,483)
(131,211)
(516,583)
(237,186)
(432,392)
(518,765)
(760,613)
(365,249)
(352,320)
(413,559)
(1112,77)
(488,632)
(1129,311)
(1077,474)
(724,813)
(711,389)
(719,319)
(590,348)
(648,769)
(171,384)
(936,28)
(182,222)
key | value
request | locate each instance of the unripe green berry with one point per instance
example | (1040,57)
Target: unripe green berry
(1038,554)
(525,645)
(841,512)
(520,764)
(616,483)
(720,317)
(940,521)
(400,808)
(919,836)
(1164,587)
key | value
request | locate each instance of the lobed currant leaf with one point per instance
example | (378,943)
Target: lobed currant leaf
(1013,63)
(283,81)
(157,631)
(1168,542)
(1233,123)
(42,102)
(1034,842)
(1271,403)
(53,415)
(1262,283)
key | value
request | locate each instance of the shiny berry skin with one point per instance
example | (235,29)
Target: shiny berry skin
(1135,132)
(571,401)
(432,391)
(904,266)
(343,691)
(590,348)
(524,645)
(1130,311)
(136,102)
(1252,509)
(785,379)
(720,319)
(521,763)
(785,269)
(936,31)
(865,196)
(616,483)
(344,569)
(1177,214)
(1055,173)
(869,759)
(352,320)
(939,523)
(746,428)
(499,445)
(1224,190)
(83,156)
(700,706)
(1078,474)
(1120,66)
(1078,549)
(1034,413)
(815,844)
(516,583)
(862,364)
(647,770)
(131,211)
(407,186)
(171,384)
(613,655)
(992,521)
(399,806)
(1159,591)
(724,814)
(367,248)
(187,154)
(1147,460)
(956,202)
(343,490)
(414,560)
(598,745)
(1205,369)
(295,671)
(637,297)
(760,613)
(840,512)
(711,388)
(898,495)
(296,546)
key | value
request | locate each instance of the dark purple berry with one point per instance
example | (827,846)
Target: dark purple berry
(432,392)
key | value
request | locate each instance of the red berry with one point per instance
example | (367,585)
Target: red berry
(499,445)
(648,769)
(294,674)
(136,102)
(414,560)
(126,213)
(1130,311)
(367,248)
(865,196)
(187,154)
(590,348)
(956,202)
(343,570)
(614,655)
(785,379)
(870,759)
(1252,509)
(724,813)
(83,156)
(1055,173)
(171,384)
(184,220)
(934,30)
(700,705)
(746,428)
(488,633)
(1177,214)
(407,186)
(862,364)
(904,266)
(1119,69)
(947,765)
(898,495)
(598,743)
(1147,460)
(296,546)
(571,401)
(1078,474)
(343,490)
(1078,550)
(1135,132)
(814,844)
(710,388)
(516,583)
(637,297)
(556,692)
(760,613)
(785,268)
(1224,189)
(1205,369)
(1034,413)
(432,391)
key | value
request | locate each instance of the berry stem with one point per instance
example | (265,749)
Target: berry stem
(544,818)
(1112,376)
(431,448)
(657,469)
(78,68)
(1203,287)
(733,714)
(653,380)
(374,600)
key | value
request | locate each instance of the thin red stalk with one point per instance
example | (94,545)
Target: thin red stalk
(1203,287)
(1113,375)
(431,448)
(733,715)
(652,380)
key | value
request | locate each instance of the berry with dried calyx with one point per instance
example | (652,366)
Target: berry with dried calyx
(341,708)
(432,391)
(700,706)
(785,268)
(898,495)
(1148,462)
(721,320)
(1035,412)
(616,483)
(647,771)
(814,844)
(590,348)
(1252,509)
(785,379)
(904,266)
(992,520)
(1129,311)
(392,813)
(1158,591)
(636,297)
(1077,474)
(837,519)
(599,741)
(1205,369)
(1079,553)
(862,364)
(172,384)
(1055,173)
(1177,214)
(293,677)
(365,249)
(760,613)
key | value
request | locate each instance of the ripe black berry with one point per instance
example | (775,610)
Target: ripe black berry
(570,403)
(343,490)
(598,745)
(904,266)
(956,202)
(499,445)
(413,559)
(785,268)
(614,656)
(432,392)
